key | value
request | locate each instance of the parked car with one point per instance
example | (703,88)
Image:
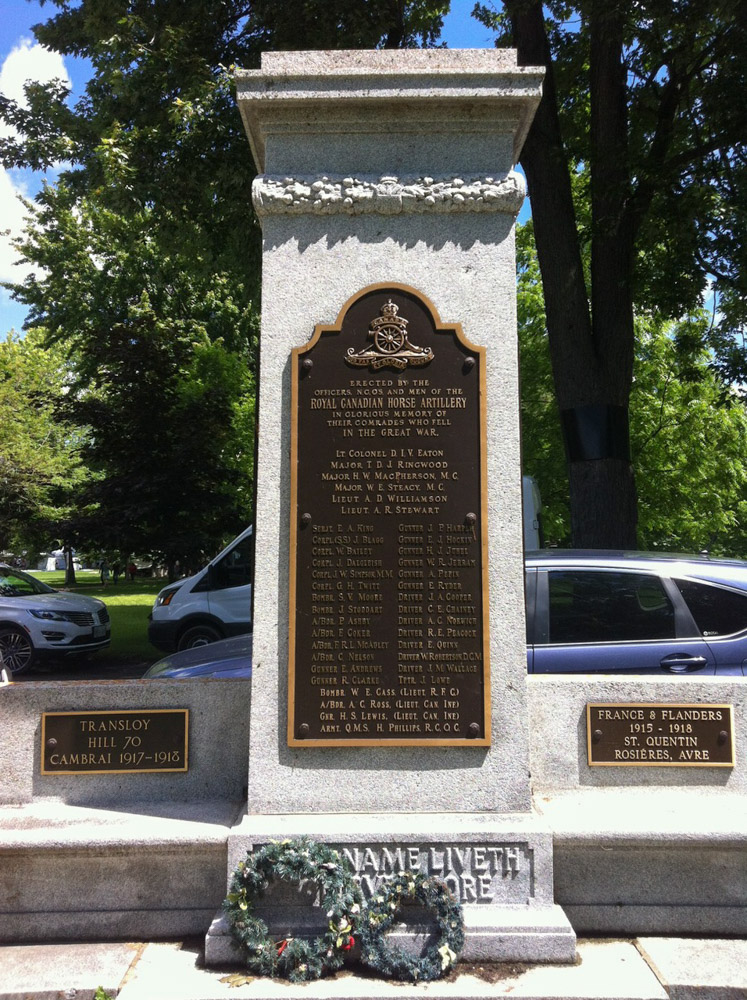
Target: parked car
(39,622)
(211,605)
(593,612)
(226,658)
(636,613)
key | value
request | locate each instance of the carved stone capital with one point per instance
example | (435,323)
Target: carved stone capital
(386,195)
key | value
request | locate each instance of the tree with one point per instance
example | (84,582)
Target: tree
(39,456)
(167,400)
(349,24)
(677,410)
(149,273)
(637,155)
(149,252)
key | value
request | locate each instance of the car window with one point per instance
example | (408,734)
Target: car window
(716,611)
(16,584)
(605,606)
(235,568)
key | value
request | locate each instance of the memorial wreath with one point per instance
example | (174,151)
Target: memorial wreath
(299,959)
(383,911)
(302,860)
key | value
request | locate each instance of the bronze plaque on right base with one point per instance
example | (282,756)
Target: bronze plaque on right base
(649,734)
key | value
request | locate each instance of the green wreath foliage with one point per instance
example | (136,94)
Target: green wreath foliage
(382,912)
(300,860)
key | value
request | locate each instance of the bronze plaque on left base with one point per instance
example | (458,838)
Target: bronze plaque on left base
(116,742)
(388,538)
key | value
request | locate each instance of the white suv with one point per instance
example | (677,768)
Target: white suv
(37,621)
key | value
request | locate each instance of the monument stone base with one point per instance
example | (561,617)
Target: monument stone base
(498,866)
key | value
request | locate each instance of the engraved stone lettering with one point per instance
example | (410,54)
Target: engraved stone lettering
(476,873)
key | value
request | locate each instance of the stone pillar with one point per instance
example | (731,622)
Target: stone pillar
(396,167)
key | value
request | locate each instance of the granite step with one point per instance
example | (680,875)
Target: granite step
(74,873)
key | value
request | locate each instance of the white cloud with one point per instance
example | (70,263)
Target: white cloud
(26,61)
(12,213)
(29,61)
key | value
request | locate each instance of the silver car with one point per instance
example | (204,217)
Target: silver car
(38,622)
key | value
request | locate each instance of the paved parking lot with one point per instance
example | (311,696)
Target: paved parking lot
(93,669)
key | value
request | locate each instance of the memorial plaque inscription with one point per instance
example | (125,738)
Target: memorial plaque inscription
(648,734)
(484,872)
(117,742)
(388,602)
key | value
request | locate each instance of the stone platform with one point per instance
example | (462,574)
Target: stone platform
(617,969)
(635,851)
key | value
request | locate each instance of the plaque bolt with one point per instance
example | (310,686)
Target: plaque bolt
(723,736)
(305,520)
(473,729)
(52,743)
(307,364)
(304,729)
(471,519)
(596,736)
(469,364)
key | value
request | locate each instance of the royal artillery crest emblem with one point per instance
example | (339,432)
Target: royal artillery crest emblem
(391,345)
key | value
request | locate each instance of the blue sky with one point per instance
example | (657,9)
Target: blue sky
(21,59)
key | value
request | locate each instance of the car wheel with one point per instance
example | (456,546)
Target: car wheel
(198,635)
(16,650)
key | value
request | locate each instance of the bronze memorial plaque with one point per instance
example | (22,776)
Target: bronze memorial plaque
(116,742)
(388,574)
(645,734)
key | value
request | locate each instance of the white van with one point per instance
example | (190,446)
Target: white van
(213,604)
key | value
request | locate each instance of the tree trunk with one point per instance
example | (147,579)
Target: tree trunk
(69,566)
(591,349)
(613,480)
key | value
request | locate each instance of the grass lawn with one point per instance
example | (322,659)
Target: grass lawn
(129,605)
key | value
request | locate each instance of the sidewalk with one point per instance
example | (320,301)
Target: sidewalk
(640,969)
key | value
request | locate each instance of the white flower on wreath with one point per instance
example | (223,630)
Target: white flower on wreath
(448,957)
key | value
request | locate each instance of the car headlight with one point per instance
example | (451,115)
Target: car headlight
(164,598)
(50,616)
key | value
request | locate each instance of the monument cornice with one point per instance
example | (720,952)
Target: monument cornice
(381,91)
(387,195)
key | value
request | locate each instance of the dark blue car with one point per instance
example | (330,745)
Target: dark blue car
(632,612)
(227,658)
